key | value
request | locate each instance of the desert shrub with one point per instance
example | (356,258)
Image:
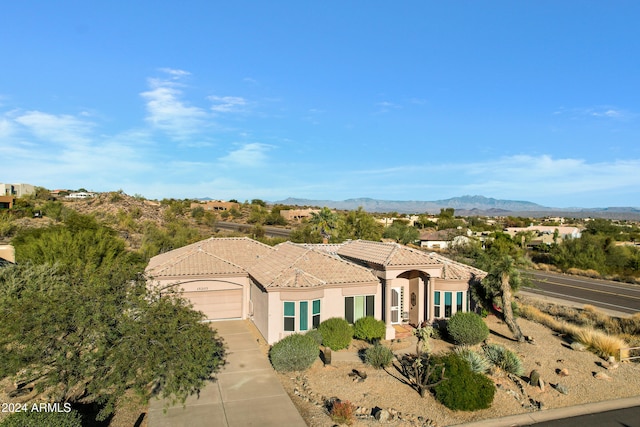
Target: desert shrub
(316,335)
(503,358)
(600,343)
(477,361)
(467,328)
(343,412)
(378,356)
(42,419)
(336,333)
(464,390)
(369,329)
(294,353)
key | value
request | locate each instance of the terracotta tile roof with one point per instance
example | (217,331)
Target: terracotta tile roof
(213,256)
(297,266)
(386,254)
(395,255)
(454,270)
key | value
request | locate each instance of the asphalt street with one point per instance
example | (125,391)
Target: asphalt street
(616,296)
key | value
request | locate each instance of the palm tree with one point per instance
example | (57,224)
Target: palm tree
(324,222)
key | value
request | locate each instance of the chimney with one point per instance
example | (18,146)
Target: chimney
(8,252)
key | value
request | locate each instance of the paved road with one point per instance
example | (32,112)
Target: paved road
(605,294)
(268,231)
(628,417)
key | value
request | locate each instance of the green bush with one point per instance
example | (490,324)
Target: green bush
(316,335)
(467,328)
(504,358)
(294,353)
(477,361)
(378,356)
(336,333)
(369,329)
(463,390)
(42,419)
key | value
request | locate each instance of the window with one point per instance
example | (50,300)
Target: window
(290,316)
(315,314)
(436,304)
(447,304)
(304,315)
(458,301)
(358,306)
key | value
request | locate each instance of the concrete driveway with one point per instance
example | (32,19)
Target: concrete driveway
(246,392)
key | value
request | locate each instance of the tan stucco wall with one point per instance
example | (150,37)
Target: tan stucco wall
(331,305)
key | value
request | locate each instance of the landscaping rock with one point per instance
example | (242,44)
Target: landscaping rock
(534,378)
(562,388)
(602,376)
(564,372)
(578,346)
(382,415)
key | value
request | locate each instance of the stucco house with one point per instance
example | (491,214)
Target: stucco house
(293,287)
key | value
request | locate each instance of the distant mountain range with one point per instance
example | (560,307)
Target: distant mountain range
(469,206)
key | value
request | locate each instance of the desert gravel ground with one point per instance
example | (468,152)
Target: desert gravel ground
(549,354)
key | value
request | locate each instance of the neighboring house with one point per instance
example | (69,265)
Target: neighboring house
(410,220)
(292,287)
(17,190)
(442,239)
(215,205)
(80,195)
(538,231)
(297,214)
(6,202)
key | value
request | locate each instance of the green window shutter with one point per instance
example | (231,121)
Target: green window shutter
(304,314)
(458,301)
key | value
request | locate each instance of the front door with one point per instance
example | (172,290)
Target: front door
(395,305)
(414,307)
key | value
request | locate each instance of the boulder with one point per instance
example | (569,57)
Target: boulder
(382,415)
(562,388)
(602,376)
(534,378)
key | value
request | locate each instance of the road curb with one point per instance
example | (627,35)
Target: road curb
(556,413)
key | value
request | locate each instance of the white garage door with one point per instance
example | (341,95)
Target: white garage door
(223,304)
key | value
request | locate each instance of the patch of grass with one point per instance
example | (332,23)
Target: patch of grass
(600,342)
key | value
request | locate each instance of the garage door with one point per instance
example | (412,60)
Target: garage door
(224,304)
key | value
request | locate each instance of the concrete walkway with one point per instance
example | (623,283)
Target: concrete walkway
(247,391)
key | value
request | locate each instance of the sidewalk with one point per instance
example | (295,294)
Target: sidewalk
(245,393)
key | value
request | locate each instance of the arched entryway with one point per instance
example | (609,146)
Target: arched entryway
(416,303)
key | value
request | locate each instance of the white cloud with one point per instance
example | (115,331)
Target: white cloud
(227,104)
(386,106)
(167,112)
(251,155)
(175,72)
(65,129)
(6,128)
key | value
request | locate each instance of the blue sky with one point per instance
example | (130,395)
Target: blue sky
(410,100)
